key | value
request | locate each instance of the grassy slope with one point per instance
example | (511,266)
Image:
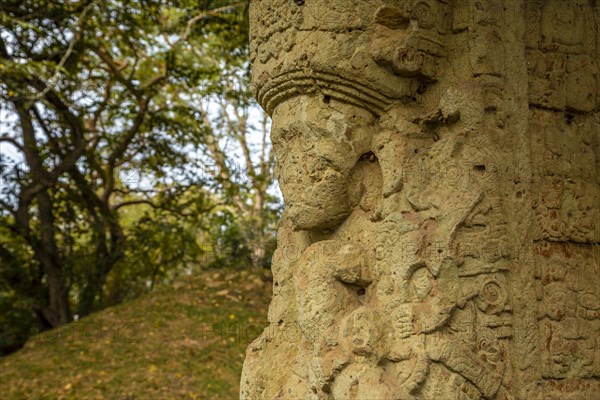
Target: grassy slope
(185,342)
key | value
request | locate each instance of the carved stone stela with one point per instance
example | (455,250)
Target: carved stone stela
(439,161)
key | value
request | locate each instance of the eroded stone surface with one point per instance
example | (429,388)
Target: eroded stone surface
(439,162)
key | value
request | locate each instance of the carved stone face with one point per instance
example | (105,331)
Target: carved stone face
(317,142)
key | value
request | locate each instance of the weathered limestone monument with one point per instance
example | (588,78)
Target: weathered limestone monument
(439,161)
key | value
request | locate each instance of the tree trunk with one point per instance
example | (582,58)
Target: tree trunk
(107,255)
(439,162)
(57,311)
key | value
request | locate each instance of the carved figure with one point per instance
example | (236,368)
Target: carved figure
(442,207)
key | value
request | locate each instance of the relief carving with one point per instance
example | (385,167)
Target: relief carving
(422,195)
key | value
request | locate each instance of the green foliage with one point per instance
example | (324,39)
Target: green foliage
(117,108)
(17,283)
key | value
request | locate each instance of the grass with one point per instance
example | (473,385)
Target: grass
(183,342)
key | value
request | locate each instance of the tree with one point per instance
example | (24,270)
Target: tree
(248,180)
(102,91)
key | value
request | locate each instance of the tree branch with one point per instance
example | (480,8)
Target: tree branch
(8,207)
(121,147)
(214,13)
(116,71)
(54,78)
(73,122)
(12,141)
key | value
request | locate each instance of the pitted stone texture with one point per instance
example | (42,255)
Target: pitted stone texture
(439,161)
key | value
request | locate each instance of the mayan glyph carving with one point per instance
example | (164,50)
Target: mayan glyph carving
(439,163)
